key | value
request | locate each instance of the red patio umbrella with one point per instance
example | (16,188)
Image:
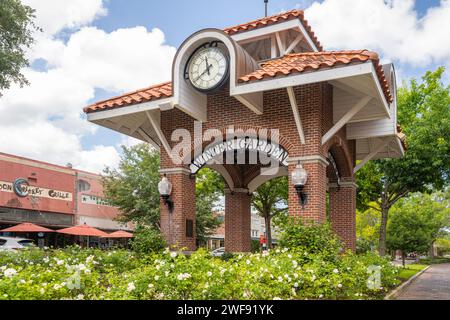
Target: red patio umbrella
(83,230)
(119,234)
(27,228)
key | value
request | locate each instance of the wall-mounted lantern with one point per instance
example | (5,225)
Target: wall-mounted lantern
(299,178)
(165,189)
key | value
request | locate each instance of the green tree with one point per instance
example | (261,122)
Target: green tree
(415,223)
(270,200)
(367,229)
(424,113)
(133,188)
(147,239)
(16,28)
(209,190)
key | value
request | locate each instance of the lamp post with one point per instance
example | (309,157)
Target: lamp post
(165,189)
(299,178)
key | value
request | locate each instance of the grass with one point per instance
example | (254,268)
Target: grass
(410,270)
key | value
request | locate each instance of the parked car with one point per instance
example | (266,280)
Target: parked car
(11,243)
(218,252)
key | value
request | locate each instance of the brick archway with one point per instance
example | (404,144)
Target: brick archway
(342,191)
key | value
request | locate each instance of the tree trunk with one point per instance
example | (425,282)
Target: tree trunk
(403,258)
(383,228)
(267,219)
(431,253)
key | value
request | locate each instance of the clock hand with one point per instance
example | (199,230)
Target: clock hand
(206,70)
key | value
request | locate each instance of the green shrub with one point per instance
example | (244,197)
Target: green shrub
(119,274)
(363,245)
(435,260)
(147,239)
(256,247)
(312,239)
(227,256)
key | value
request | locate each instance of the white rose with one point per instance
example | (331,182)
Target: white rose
(131,287)
(10,272)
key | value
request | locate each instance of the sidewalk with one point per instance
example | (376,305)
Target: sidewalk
(433,284)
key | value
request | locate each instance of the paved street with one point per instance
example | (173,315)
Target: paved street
(433,284)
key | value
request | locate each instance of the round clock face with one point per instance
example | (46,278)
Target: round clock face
(208,68)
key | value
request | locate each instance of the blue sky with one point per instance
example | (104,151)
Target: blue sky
(180,18)
(94,49)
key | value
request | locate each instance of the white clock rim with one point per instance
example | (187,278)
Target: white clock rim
(224,77)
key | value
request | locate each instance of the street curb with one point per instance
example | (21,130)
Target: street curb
(394,293)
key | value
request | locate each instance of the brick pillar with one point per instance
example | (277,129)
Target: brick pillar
(237,222)
(173,225)
(343,213)
(316,188)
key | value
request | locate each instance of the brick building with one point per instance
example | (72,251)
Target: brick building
(257,229)
(257,101)
(52,196)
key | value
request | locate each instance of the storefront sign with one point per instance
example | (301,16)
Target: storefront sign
(271,150)
(20,187)
(98,201)
(23,189)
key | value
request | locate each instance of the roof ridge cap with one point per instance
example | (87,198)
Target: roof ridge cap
(289,12)
(369,53)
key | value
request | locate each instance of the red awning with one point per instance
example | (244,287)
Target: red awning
(119,234)
(27,227)
(83,230)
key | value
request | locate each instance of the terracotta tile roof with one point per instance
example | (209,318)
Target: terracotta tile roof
(313,61)
(155,92)
(278,18)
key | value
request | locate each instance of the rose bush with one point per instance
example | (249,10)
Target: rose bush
(75,273)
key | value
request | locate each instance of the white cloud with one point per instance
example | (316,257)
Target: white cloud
(55,15)
(390,27)
(44,120)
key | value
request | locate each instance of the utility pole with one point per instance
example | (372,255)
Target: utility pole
(266,2)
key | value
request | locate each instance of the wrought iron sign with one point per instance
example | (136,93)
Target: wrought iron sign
(258,145)
(335,168)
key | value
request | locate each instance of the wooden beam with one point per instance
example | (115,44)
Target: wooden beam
(137,125)
(372,154)
(294,43)
(253,101)
(159,133)
(149,139)
(273,47)
(346,118)
(281,43)
(112,125)
(297,118)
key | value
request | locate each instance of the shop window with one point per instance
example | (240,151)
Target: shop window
(83,186)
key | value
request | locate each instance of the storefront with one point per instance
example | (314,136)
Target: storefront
(257,101)
(54,197)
